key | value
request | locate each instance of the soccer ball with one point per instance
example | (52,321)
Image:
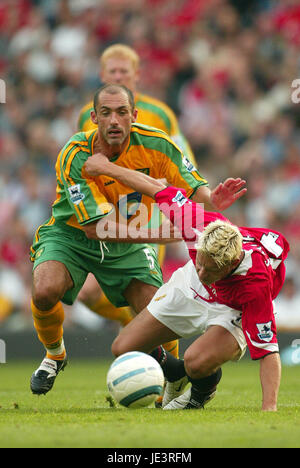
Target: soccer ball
(135,380)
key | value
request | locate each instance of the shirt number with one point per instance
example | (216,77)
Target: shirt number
(150,259)
(269,242)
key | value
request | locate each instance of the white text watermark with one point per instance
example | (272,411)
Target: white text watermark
(296,352)
(295,96)
(2,352)
(134,224)
(2,92)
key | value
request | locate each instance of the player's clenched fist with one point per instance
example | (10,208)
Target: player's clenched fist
(95,164)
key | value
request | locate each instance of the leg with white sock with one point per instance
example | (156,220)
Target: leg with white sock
(50,282)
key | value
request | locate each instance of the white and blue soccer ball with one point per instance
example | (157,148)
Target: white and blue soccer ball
(135,380)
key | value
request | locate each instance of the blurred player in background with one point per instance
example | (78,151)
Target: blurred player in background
(66,248)
(225,294)
(120,64)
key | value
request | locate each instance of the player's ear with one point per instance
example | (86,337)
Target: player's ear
(134,115)
(94,118)
(235,262)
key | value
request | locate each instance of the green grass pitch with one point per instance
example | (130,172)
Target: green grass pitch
(76,413)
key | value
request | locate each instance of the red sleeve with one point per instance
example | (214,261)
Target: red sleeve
(258,323)
(189,217)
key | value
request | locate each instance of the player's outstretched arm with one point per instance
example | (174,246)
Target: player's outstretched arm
(270,376)
(99,164)
(219,199)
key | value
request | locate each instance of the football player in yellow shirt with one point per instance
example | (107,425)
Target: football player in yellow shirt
(120,64)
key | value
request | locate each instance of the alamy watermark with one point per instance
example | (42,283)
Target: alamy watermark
(295,96)
(2,92)
(2,352)
(296,352)
(133,222)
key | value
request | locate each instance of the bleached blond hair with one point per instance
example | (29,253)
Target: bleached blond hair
(222,242)
(120,51)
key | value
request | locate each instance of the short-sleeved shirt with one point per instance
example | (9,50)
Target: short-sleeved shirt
(82,199)
(253,286)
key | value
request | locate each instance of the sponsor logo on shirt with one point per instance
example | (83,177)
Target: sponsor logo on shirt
(130,204)
(109,183)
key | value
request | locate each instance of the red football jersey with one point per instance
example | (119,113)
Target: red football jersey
(256,282)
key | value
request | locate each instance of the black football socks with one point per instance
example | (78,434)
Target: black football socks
(202,388)
(172,367)
(174,370)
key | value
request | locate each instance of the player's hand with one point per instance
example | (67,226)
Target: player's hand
(226,193)
(96,164)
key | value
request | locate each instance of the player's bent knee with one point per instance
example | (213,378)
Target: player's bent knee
(197,367)
(116,347)
(46,296)
(121,345)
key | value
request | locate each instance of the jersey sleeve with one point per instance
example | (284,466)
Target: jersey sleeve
(82,193)
(258,322)
(189,217)
(178,169)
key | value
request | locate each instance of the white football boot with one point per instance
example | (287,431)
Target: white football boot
(185,401)
(42,380)
(174,390)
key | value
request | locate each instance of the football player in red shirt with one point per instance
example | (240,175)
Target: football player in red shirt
(224,294)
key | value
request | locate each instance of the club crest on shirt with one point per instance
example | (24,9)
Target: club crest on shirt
(265,331)
(75,194)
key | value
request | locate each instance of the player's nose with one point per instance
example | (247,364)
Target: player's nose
(118,77)
(114,118)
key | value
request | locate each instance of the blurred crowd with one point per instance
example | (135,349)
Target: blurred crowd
(225,67)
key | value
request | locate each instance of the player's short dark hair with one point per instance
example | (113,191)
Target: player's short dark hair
(114,89)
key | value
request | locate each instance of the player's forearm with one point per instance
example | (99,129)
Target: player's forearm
(136,180)
(203,195)
(270,376)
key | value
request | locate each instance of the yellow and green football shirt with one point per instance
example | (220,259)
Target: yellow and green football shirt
(152,112)
(82,199)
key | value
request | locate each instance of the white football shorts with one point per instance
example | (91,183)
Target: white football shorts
(181,306)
